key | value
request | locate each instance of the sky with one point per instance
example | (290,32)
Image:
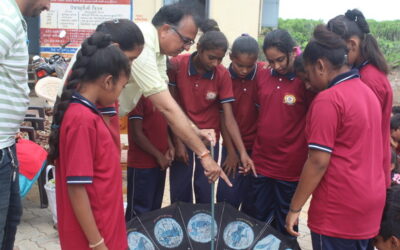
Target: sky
(326,9)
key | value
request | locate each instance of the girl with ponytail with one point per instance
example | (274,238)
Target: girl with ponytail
(365,55)
(202,86)
(88,176)
(130,40)
(343,169)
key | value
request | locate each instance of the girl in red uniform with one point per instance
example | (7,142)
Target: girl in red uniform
(243,71)
(343,171)
(202,86)
(88,174)
(365,55)
(279,151)
(150,154)
(130,40)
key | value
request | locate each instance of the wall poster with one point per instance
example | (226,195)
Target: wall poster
(79,19)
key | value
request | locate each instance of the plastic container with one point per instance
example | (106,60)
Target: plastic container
(50,188)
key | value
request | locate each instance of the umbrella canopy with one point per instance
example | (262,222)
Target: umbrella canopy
(187,226)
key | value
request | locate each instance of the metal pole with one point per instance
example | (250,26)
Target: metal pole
(207,9)
(212,205)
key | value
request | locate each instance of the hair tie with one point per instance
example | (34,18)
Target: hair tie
(297,50)
(116,20)
(352,16)
(245,34)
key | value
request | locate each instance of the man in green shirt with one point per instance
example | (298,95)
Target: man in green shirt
(172,30)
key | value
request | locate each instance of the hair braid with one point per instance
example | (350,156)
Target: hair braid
(95,58)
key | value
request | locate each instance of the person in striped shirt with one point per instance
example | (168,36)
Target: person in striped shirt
(14,101)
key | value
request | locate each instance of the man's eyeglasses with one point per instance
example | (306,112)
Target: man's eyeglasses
(186,41)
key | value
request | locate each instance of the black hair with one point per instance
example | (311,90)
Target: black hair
(124,32)
(173,14)
(245,44)
(395,122)
(209,25)
(390,225)
(298,64)
(97,57)
(281,40)
(328,45)
(353,23)
(212,37)
(395,109)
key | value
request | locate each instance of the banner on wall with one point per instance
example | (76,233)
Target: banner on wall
(79,19)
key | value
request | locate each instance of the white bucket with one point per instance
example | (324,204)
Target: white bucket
(48,88)
(50,188)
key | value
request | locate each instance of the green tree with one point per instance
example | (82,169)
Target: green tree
(387,33)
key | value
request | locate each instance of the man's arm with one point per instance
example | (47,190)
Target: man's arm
(182,128)
(208,135)
(149,74)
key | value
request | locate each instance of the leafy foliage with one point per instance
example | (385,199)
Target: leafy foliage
(387,34)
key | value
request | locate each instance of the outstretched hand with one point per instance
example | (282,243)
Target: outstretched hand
(212,171)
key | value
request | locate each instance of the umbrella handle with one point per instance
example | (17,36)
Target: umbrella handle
(212,205)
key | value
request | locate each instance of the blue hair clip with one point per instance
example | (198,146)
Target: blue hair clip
(55,126)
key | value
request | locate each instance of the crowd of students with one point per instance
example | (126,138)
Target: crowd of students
(299,124)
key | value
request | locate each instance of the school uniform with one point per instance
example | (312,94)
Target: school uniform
(245,110)
(146,179)
(345,121)
(380,85)
(110,111)
(113,125)
(200,97)
(89,156)
(280,148)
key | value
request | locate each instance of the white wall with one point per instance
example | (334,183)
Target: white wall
(236,17)
(144,10)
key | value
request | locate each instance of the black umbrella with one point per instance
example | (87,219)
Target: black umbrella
(187,226)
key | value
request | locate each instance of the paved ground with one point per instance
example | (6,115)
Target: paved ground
(36,229)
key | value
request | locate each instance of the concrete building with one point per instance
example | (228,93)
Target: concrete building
(234,17)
